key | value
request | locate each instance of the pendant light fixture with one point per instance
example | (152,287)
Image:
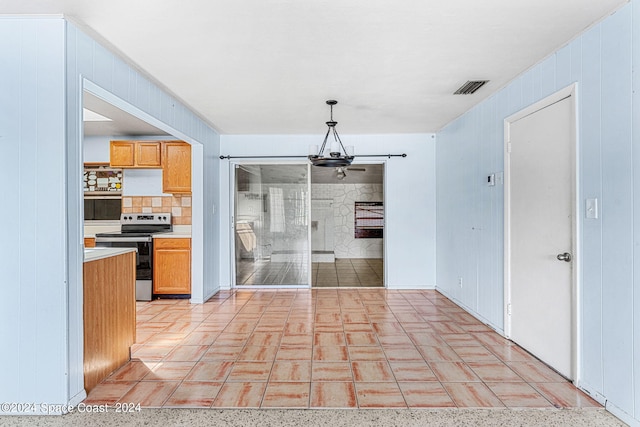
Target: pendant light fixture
(338,155)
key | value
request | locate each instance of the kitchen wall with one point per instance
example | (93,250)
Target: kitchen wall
(140,182)
(179,205)
(409,197)
(344,197)
(603,62)
(142,188)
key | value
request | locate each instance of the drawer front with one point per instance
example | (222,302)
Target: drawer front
(165,243)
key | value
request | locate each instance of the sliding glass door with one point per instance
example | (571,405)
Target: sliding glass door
(271,225)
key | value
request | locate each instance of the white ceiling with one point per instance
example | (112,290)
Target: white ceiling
(267,66)
(121,124)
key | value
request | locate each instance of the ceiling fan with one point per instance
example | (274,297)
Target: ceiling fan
(341,171)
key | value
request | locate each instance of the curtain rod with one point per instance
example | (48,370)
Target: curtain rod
(304,157)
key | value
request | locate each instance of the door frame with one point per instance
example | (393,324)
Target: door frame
(571,92)
(232,211)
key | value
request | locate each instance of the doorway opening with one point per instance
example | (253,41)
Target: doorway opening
(347,226)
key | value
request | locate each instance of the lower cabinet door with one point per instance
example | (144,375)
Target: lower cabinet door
(172,266)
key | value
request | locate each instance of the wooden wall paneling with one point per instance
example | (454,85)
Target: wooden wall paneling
(103,63)
(636,204)
(602,62)
(527,88)
(590,94)
(85,58)
(548,76)
(617,209)
(563,67)
(211,232)
(143,88)
(33,152)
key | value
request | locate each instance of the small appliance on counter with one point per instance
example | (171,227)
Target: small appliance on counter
(136,230)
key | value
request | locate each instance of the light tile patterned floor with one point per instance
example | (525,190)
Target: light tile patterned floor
(348,272)
(344,272)
(327,348)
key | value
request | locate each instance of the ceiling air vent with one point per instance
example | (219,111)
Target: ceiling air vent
(470,87)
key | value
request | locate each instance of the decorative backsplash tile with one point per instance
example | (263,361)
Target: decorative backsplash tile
(178,205)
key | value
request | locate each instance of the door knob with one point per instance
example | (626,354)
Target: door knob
(566,257)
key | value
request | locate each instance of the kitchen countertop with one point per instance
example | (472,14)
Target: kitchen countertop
(93,254)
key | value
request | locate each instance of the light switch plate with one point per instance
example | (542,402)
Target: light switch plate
(591,208)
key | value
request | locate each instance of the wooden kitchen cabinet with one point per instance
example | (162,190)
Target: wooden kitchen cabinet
(172,266)
(176,167)
(122,154)
(148,154)
(136,154)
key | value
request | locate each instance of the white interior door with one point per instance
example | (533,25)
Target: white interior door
(541,184)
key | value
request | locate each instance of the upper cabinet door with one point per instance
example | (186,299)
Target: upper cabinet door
(148,154)
(136,154)
(176,168)
(122,154)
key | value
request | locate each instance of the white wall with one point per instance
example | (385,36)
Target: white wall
(44,60)
(409,197)
(96,148)
(470,214)
(33,273)
(210,210)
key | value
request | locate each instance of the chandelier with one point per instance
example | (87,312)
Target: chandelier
(338,155)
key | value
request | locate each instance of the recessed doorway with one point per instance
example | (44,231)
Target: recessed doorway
(347,226)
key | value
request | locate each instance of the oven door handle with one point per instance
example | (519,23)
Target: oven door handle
(123,239)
